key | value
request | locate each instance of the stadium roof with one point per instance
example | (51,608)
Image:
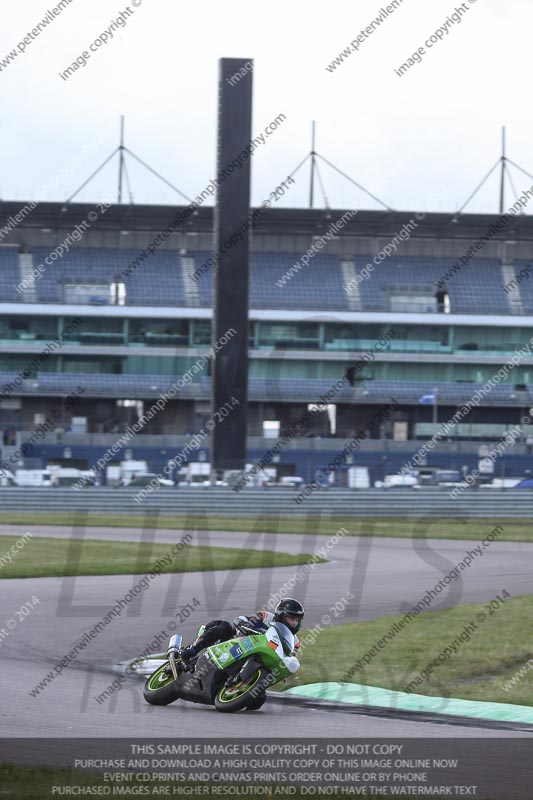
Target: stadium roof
(154,218)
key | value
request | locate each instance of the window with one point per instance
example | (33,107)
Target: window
(93,330)
(281,336)
(159,332)
(201,331)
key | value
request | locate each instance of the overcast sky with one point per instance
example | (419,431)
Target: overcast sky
(421,141)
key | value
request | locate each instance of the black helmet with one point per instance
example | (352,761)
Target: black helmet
(289,608)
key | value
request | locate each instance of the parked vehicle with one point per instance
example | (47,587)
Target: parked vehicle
(198,473)
(358,477)
(143,479)
(7,478)
(527,483)
(33,477)
(122,474)
(403,481)
(291,481)
(67,476)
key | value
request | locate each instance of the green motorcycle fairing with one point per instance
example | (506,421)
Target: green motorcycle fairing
(267,646)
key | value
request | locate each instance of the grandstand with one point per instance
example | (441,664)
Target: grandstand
(9,274)
(141,328)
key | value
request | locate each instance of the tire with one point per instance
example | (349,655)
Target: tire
(159,689)
(256,704)
(230,702)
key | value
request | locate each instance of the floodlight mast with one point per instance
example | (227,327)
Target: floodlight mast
(123,172)
(503,162)
(502,180)
(313,166)
(121,159)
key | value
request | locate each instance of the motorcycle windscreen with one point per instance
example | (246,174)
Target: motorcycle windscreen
(286,637)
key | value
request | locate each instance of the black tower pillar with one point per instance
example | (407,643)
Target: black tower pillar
(232,246)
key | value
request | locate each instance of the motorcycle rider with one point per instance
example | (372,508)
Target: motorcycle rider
(288,611)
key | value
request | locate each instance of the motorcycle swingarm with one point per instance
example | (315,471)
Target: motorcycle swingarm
(202,685)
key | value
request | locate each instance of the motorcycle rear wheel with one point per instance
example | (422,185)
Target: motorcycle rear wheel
(160,688)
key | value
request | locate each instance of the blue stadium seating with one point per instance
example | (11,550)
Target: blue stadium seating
(156,281)
(319,285)
(161,280)
(62,383)
(476,288)
(9,275)
(304,390)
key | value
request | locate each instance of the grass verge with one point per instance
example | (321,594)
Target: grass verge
(43,557)
(475,529)
(493,659)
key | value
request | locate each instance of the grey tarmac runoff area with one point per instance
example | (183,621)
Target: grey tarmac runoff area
(386,577)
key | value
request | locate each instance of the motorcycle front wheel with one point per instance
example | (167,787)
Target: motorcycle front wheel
(249,695)
(160,688)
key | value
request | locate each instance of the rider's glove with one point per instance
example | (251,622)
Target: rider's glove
(255,622)
(258,621)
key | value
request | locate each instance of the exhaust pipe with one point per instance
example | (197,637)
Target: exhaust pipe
(174,646)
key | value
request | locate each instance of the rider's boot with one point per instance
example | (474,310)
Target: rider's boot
(186,654)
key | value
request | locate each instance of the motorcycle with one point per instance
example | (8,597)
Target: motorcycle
(231,675)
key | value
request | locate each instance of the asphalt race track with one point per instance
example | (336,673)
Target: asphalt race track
(386,577)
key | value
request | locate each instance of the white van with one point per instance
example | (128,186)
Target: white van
(33,477)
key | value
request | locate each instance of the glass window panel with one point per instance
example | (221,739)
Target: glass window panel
(28,329)
(93,330)
(159,332)
(282,336)
(201,332)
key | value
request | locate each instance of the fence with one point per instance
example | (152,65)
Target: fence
(223,501)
